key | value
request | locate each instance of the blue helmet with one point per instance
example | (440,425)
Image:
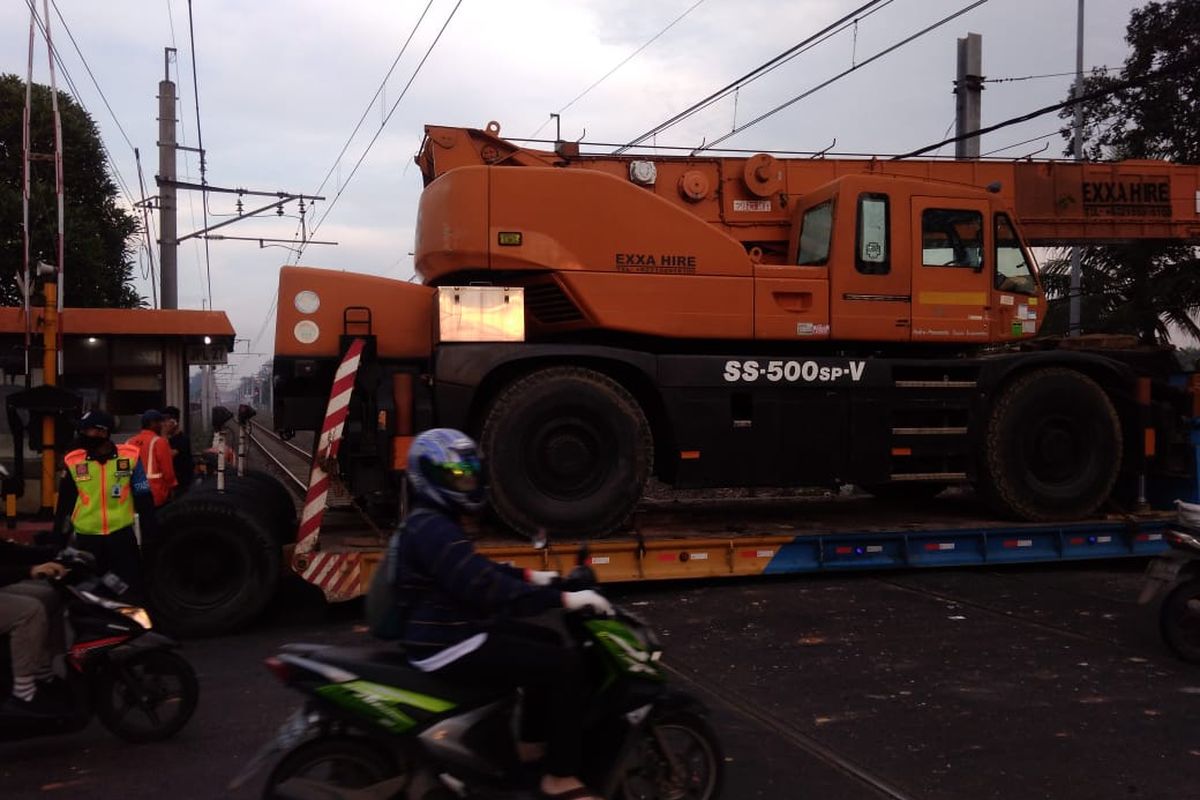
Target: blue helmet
(444,468)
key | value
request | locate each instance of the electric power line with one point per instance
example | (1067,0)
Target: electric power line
(375,138)
(1050,75)
(369,106)
(200,147)
(1083,98)
(787,55)
(624,61)
(91,75)
(890,49)
(121,183)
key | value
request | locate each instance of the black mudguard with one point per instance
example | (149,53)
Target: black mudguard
(147,641)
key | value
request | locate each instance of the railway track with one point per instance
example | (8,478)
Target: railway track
(289,459)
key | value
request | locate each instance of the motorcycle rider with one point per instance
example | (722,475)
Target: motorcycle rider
(457,607)
(105,493)
(31,614)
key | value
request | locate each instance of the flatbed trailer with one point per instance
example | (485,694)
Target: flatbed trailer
(718,539)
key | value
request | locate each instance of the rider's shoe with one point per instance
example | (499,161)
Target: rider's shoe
(42,705)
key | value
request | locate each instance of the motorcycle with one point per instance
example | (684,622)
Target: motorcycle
(375,727)
(1175,578)
(117,667)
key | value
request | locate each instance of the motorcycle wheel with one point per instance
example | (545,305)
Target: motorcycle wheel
(148,698)
(692,744)
(1180,621)
(325,765)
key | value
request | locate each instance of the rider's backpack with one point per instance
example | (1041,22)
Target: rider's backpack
(387,608)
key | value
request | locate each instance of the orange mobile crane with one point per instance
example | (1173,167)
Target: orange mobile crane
(750,321)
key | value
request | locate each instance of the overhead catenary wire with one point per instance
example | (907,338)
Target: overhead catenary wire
(1049,75)
(795,50)
(807,93)
(417,71)
(200,147)
(367,110)
(1023,141)
(622,63)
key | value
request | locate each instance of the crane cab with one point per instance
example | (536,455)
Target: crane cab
(876,258)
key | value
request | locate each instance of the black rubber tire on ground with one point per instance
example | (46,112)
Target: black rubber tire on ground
(644,778)
(118,704)
(349,763)
(1053,447)
(266,496)
(569,450)
(214,567)
(1179,624)
(905,491)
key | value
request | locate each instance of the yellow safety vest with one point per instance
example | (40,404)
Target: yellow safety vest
(105,501)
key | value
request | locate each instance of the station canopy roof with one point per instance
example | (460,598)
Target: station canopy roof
(188,324)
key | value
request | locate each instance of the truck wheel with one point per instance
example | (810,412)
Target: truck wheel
(214,567)
(263,495)
(1053,447)
(569,451)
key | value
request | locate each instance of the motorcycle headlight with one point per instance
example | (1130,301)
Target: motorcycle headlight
(138,615)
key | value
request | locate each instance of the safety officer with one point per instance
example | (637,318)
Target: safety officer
(103,493)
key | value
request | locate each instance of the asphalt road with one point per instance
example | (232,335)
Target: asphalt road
(1016,683)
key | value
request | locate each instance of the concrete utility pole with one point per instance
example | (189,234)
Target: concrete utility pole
(167,231)
(1074,322)
(968,90)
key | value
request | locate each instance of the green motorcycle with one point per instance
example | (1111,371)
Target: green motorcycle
(375,727)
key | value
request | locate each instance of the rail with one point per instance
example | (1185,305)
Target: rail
(295,481)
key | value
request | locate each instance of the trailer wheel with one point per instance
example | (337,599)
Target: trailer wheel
(1053,447)
(214,567)
(569,451)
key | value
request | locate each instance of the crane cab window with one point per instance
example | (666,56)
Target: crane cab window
(1013,273)
(872,245)
(952,238)
(816,230)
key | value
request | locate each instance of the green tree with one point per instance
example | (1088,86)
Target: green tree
(100,242)
(1146,288)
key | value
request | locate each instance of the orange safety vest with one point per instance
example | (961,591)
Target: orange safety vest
(145,440)
(105,501)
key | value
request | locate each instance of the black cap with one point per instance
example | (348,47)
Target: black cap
(97,419)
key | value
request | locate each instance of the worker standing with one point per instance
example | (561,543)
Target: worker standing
(181,450)
(156,456)
(103,494)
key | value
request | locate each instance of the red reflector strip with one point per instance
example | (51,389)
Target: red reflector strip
(843,551)
(940,546)
(1149,537)
(1076,540)
(667,557)
(756,554)
(1013,543)
(902,451)
(689,455)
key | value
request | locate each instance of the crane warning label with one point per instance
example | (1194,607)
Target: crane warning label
(794,371)
(1127,198)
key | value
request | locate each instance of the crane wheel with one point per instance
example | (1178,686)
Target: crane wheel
(213,567)
(569,451)
(1053,448)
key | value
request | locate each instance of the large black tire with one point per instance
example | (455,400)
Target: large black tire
(262,494)
(694,746)
(214,568)
(1053,447)
(569,451)
(343,762)
(148,698)
(1179,620)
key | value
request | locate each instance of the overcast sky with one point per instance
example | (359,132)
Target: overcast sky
(282,83)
